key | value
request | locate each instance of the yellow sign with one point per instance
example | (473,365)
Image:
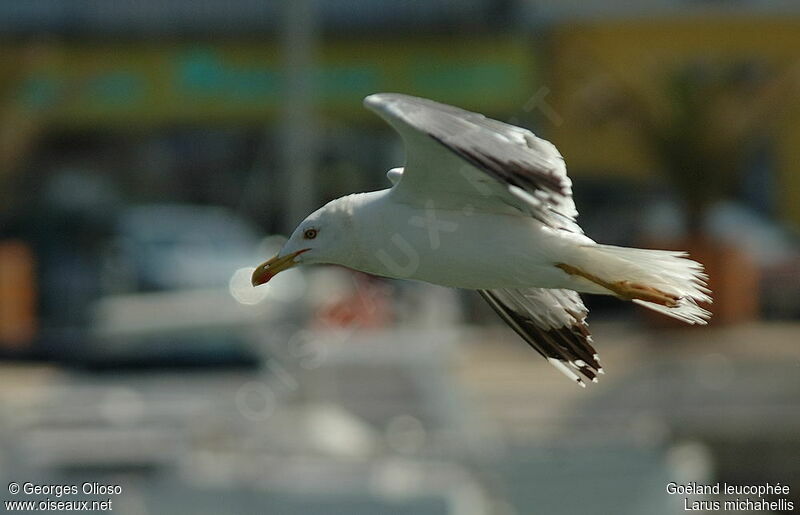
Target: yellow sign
(125,84)
(592,58)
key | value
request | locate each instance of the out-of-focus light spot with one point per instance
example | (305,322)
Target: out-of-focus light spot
(335,431)
(287,286)
(242,289)
(255,401)
(691,461)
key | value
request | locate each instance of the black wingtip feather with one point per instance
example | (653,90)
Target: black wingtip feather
(568,344)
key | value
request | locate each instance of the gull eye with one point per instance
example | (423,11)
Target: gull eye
(310,234)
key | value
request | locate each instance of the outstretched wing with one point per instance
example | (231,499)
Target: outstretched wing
(459,159)
(553,322)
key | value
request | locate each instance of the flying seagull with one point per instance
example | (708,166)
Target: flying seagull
(487,206)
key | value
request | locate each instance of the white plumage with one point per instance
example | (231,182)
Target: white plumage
(488,206)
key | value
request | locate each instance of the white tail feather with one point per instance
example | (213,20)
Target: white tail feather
(667,271)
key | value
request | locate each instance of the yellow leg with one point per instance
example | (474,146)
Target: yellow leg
(625,289)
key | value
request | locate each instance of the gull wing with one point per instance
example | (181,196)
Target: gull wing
(553,322)
(463,160)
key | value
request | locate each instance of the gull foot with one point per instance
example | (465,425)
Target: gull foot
(629,291)
(626,290)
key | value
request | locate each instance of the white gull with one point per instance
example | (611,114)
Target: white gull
(487,206)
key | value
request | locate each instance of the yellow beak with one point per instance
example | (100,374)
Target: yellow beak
(269,269)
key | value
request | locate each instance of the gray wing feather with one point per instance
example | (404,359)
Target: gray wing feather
(529,171)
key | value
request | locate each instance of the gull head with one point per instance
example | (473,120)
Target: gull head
(323,237)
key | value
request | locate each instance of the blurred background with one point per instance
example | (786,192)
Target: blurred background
(152,153)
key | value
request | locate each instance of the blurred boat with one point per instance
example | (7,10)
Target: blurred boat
(172,292)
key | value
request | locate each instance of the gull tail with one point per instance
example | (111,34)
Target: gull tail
(665,281)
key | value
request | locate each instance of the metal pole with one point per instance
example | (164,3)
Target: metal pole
(298,123)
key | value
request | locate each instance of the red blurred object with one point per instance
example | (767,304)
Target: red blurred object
(368,305)
(17,295)
(733,279)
